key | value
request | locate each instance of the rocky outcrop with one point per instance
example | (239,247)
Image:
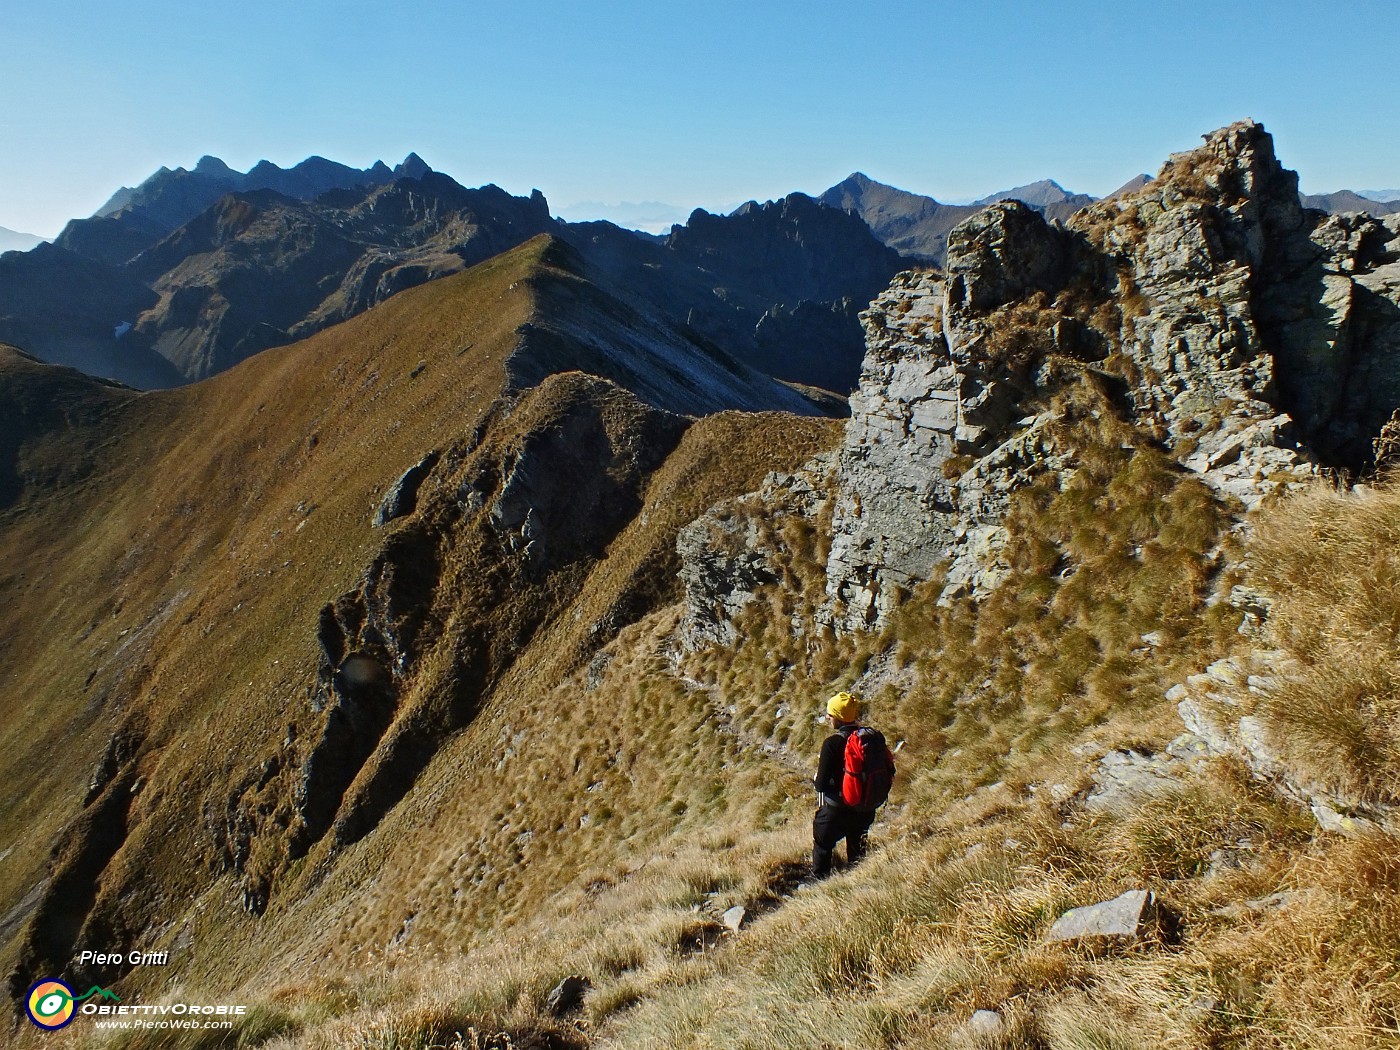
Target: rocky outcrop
(1125,779)
(939,435)
(729,552)
(402,496)
(1251,338)
(1220,709)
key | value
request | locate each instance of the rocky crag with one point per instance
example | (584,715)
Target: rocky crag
(1251,340)
(1250,337)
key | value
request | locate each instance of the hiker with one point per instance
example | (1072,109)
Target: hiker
(853,780)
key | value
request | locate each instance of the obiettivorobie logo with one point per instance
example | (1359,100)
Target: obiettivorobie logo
(51,1004)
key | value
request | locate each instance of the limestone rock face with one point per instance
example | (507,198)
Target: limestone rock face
(1252,338)
(1002,253)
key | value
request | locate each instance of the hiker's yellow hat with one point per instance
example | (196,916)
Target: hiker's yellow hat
(844,706)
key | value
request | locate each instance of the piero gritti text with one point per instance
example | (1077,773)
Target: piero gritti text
(132,958)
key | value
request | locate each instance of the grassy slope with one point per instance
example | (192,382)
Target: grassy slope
(1004,709)
(629,815)
(184,610)
(231,511)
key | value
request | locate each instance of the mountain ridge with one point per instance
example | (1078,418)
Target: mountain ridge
(173,196)
(279,462)
(258,268)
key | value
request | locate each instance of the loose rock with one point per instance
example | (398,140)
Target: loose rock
(1125,918)
(986,1024)
(567,996)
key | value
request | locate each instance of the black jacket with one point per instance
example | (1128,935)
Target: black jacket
(831,767)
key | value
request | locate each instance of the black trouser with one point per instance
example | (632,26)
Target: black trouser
(830,826)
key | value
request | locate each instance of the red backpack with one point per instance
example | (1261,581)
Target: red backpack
(869,770)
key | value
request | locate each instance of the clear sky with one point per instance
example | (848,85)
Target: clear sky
(689,102)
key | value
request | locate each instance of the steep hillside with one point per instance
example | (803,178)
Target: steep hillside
(231,675)
(260,269)
(778,285)
(69,310)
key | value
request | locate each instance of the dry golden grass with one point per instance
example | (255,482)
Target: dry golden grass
(223,529)
(182,606)
(949,913)
(1332,561)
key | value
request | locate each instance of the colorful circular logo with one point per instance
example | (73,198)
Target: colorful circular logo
(50,1004)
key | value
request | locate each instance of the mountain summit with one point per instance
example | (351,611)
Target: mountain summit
(1046,196)
(912,224)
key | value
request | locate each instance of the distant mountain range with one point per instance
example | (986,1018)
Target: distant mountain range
(15,241)
(917,226)
(195,270)
(1046,196)
(1348,200)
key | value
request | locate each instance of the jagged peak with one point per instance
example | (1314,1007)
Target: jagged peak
(1236,162)
(413,167)
(1242,140)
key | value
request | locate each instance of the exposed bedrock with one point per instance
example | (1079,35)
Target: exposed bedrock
(1252,338)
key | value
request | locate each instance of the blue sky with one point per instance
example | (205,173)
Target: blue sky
(690,103)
